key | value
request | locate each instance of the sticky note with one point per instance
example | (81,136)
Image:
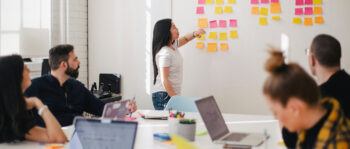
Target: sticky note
(317,2)
(298,11)
(228,9)
(233,23)
(307,21)
(255,10)
(222,23)
(202,37)
(276,18)
(275,7)
(308,11)
(234,34)
(200,45)
(212,47)
(213,24)
(263,21)
(264,1)
(200,10)
(231,1)
(181,143)
(275,1)
(218,10)
(223,46)
(317,10)
(299,2)
(319,20)
(254,2)
(219,2)
(202,22)
(308,2)
(264,11)
(212,35)
(209,1)
(201,1)
(296,20)
(53,146)
(223,36)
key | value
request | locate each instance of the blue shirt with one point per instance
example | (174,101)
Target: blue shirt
(66,101)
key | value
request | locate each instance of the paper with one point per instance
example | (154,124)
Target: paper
(299,2)
(213,24)
(233,23)
(263,21)
(264,1)
(319,20)
(209,1)
(223,36)
(264,11)
(202,37)
(202,23)
(200,10)
(298,11)
(275,1)
(200,45)
(212,35)
(212,47)
(223,46)
(181,143)
(52,146)
(218,10)
(317,10)
(276,18)
(234,34)
(296,20)
(255,10)
(219,2)
(231,1)
(307,21)
(308,11)
(275,7)
(308,2)
(228,9)
(222,23)
(201,1)
(317,2)
(254,2)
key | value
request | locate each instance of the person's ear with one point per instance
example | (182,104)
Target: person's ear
(313,60)
(63,64)
(295,106)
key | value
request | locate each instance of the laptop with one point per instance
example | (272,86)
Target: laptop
(105,133)
(217,127)
(115,110)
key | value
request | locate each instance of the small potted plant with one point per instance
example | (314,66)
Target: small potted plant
(187,128)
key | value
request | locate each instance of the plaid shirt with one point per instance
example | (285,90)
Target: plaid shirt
(335,132)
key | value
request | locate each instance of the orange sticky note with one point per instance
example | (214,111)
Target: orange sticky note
(209,1)
(223,36)
(317,2)
(212,35)
(319,20)
(276,18)
(218,10)
(219,2)
(231,1)
(263,21)
(228,9)
(308,21)
(275,7)
(223,46)
(212,47)
(264,11)
(52,146)
(255,10)
(317,10)
(202,22)
(234,34)
(202,37)
(296,20)
(200,45)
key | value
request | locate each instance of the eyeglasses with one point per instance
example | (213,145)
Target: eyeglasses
(307,51)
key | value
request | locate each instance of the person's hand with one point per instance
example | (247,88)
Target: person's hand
(32,102)
(132,106)
(199,32)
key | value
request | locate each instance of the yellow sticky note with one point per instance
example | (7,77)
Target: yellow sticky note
(263,21)
(202,22)
(231,1)
(319,20)
(317,2)
(212,47)
(228,9)
(264,11)
(181,143)
(276,18)
(234,34)
(307,21)
(218,10)
(223,46)
(223,36)
(200,45)
(317,10)
(275,7)
(255,10)
(296,20)
(209,1)
(212,35)
(219,2)
(202,37)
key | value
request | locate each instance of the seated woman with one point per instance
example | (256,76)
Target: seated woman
(16,122)
(294,98)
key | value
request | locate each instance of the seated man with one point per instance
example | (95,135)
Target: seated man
(65,96)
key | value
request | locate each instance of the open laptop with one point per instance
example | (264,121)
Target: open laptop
(217,127)
(115,110)
(106,134)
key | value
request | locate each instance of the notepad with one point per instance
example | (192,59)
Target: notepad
(231,1)
(212,35)
(212,47)
(276,18)
(200,10)
(275,7)
(317,10)
(319,20)
(219,2)
(264,11)
(298,11)
(223,36)
(222,23)
(223,46)
(234,34)
(233,23)
(255,10)
(308,21)
(263,21)
(200,45)
(203,23)
(296,20)
(228,9)
(218,10)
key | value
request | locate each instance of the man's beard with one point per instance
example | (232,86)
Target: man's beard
(72,72)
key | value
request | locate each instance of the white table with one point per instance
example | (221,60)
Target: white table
(146,129)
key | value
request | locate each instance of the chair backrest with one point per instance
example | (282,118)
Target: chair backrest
(45,67)
(182,104)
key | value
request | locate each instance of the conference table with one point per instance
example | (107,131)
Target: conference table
(146,129)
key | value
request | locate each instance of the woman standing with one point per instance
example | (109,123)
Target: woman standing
(167,61)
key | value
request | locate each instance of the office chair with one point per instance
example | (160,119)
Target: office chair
(182,104)
(45,67)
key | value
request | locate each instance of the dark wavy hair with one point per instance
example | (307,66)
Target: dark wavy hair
(161,38)
(14,118)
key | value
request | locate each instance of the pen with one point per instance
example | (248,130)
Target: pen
(131,107)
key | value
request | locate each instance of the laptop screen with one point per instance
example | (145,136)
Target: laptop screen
(212,117)
(92,134)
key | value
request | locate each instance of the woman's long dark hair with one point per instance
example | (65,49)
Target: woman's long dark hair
(161,38)
(13,114)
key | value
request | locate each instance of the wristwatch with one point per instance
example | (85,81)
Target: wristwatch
(41,110)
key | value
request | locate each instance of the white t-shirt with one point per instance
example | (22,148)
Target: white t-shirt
(168,57)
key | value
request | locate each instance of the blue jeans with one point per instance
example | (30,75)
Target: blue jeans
(160,100)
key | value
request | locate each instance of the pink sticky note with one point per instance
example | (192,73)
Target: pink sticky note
(275,1)
(201,1)
(222,23)
(254,1)
(264,1)
(200,10)
(298,11)
(213,24)
(233,23)
(299,2)
(308,11)
(308,2)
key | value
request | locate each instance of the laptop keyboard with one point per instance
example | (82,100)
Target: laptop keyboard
(235,137)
